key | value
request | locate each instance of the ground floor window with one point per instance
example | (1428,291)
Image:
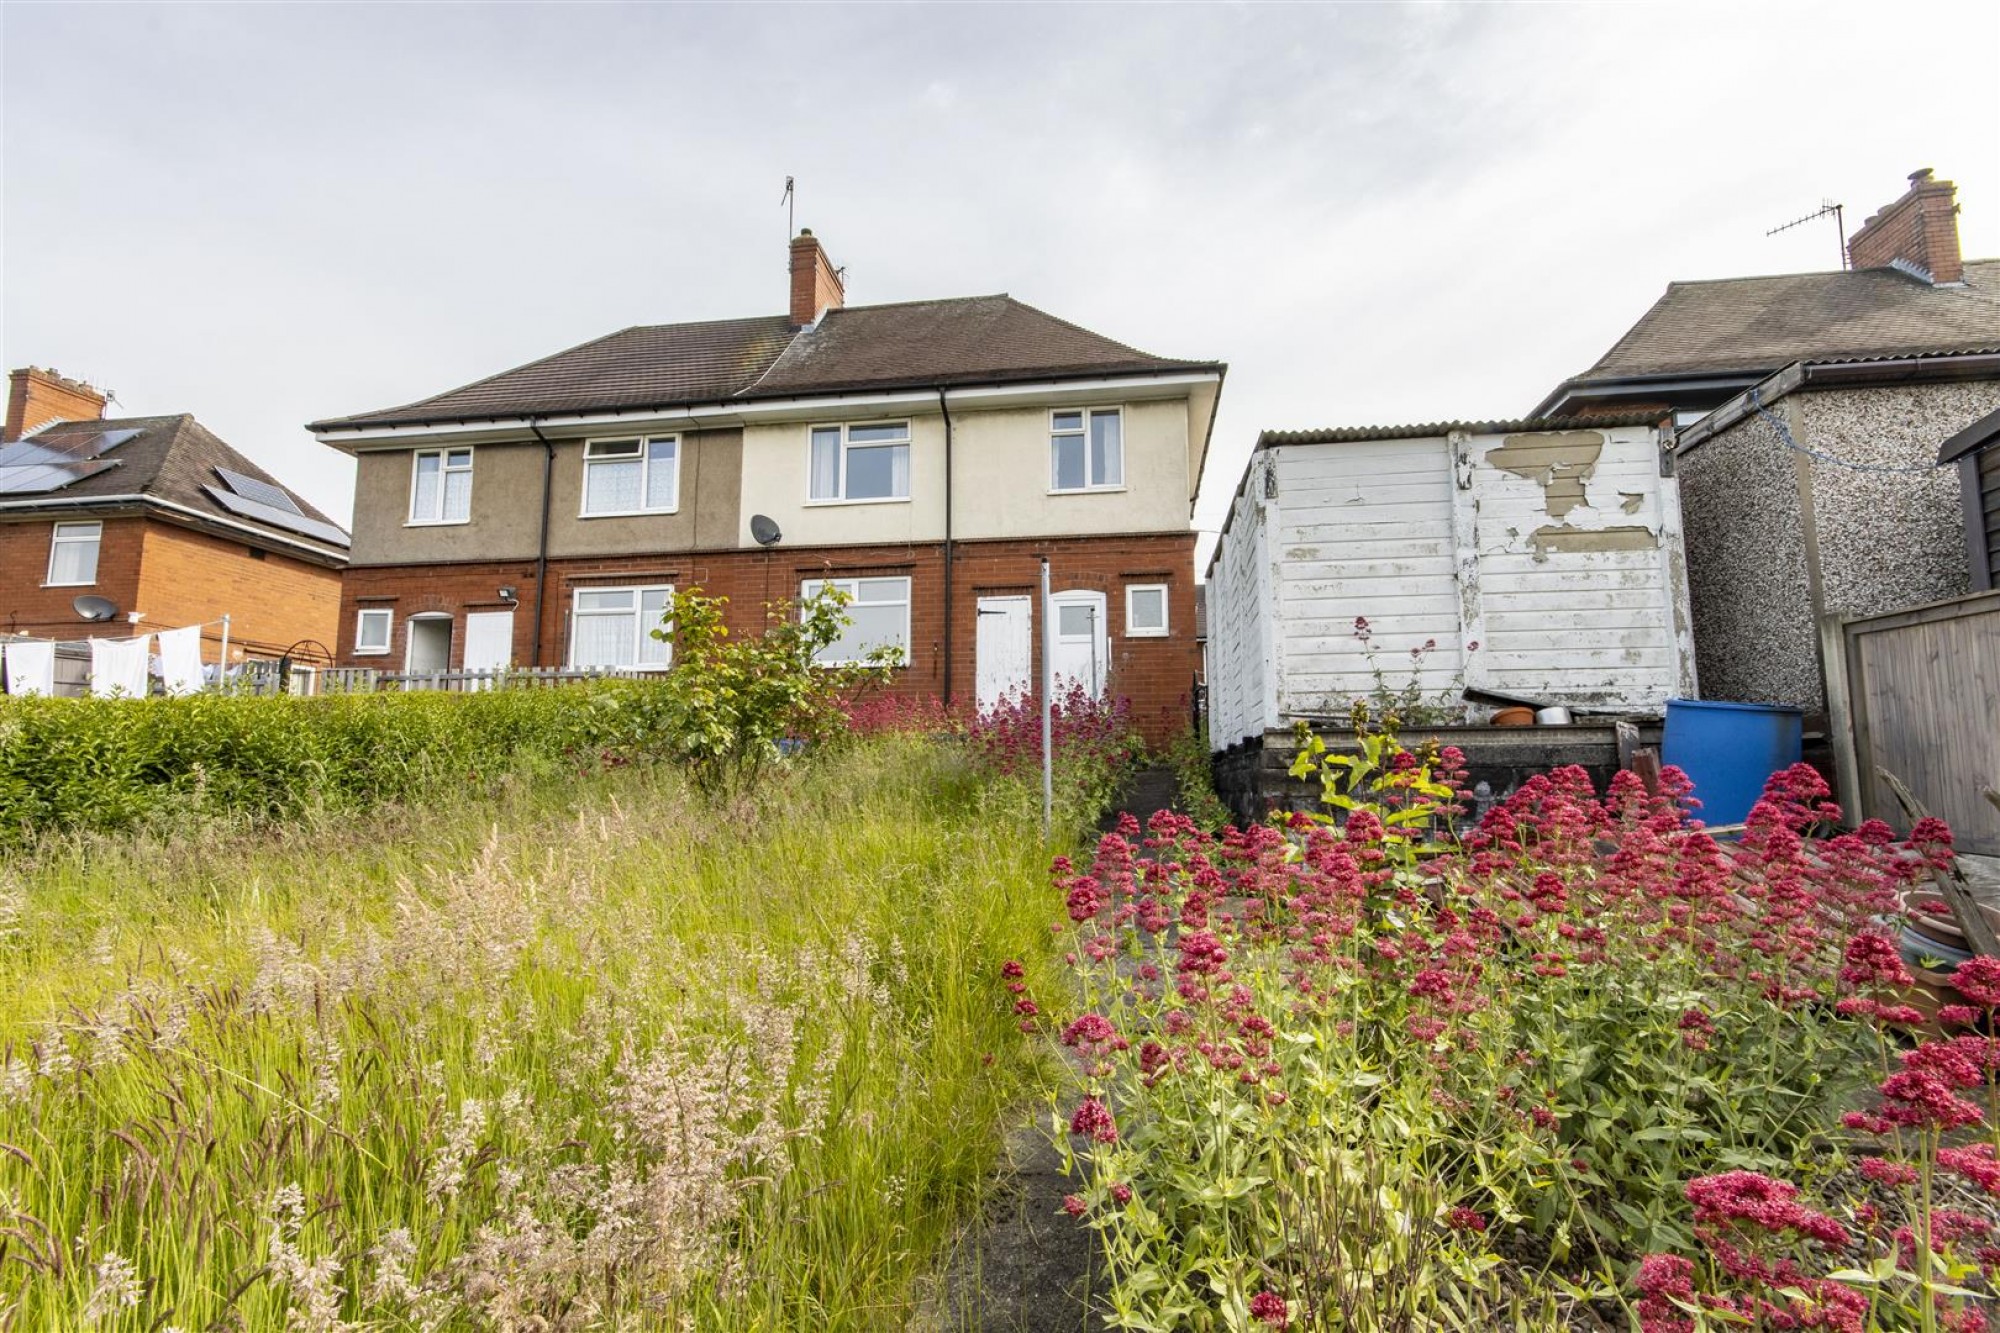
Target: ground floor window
(613,627)
(371,629)
(880,610)
(1146,611)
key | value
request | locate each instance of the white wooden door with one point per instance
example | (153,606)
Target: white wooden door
(1005,645)
(489,640)
(1081,650)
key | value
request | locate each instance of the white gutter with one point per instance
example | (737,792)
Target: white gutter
(776,409)
(83,501)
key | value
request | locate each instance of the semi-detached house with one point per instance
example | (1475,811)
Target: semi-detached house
(923,456)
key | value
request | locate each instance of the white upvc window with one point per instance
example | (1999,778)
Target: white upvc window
(373,626)
(73,554)
(441,486)
(1086,449)
(880,611)
(1146,611)
(635,476)
(855,463)
(613,627)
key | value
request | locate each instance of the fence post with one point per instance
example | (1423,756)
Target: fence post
(1849,779)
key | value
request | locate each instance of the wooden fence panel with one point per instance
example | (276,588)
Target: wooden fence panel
(1921,694)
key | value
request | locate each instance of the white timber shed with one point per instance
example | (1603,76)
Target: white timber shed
(1542,558)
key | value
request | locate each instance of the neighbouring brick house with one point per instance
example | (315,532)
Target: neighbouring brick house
(1812,411)
(158,517)
(924,455)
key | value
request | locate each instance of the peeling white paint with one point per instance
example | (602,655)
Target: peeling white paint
(1432,540)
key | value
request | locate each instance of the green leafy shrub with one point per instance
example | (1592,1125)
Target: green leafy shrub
(111,764)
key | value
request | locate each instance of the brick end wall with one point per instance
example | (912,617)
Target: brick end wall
(1156,674)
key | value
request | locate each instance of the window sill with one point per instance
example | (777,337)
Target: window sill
(1088,490)
(437,522)
(371,652)
(632,513)
(833,504)
(1148,634)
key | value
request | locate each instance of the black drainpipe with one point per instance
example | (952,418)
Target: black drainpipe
(946,411)
(542,548)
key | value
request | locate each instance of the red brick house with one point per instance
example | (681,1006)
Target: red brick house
(924,456)
(158,517)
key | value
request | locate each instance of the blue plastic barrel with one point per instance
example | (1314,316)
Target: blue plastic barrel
(1729,751)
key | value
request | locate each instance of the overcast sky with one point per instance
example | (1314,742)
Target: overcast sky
(1374,213)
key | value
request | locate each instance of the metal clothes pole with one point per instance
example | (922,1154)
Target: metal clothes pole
(1048,704)
(222,669)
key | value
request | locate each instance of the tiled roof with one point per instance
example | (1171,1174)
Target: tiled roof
(1435,429)
(173,458)
(969,340)
(1750,325)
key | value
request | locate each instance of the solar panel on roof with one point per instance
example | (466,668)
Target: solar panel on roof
(64,444)
(289,519)
(41,478)
(263,492)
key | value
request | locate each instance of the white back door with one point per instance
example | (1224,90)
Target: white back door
(1005,646)
(489,640)
(1081,643)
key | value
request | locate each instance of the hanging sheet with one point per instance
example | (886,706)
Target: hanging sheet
(31,667)
(180,659)
(118,667)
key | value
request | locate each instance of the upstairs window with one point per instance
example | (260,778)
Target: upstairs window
(372,626)
(613,627)
(1086,450)
(631,476)
(73,554)
(880,612)
(870,462)
(441,486)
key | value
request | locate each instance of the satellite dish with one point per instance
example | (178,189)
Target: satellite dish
(764,530)
(95,608)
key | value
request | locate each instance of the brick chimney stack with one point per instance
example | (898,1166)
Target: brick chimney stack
(1920,229)
(816,286)
(36,397)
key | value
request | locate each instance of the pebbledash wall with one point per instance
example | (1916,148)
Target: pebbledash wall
(1155,673)
(1776,539)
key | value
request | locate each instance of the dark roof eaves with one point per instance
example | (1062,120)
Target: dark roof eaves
(781,393)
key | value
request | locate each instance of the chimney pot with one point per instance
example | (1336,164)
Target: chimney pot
(36,397)
(816,284)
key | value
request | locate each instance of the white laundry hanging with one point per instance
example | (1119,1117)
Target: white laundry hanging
(118,667)
(31,667)
(180,659)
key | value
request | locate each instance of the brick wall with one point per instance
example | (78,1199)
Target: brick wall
(1156,674)
(27,607)
(272,600)
(36,397)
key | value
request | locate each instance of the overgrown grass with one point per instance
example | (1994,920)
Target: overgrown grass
(581,1055)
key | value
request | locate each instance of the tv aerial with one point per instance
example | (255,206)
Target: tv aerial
(1827,208)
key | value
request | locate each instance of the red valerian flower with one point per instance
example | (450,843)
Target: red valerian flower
(1872,960)
(1093,1118)
(1121,1194)
(1975,1163)
(1268,1307)
(1887,1172)
(1978,980)
(1074,1205)
(1746,1196)
(1465,1219)
(1012,970)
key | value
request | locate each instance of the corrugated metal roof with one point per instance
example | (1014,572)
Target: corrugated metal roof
(1431,429)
